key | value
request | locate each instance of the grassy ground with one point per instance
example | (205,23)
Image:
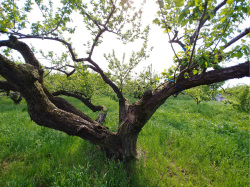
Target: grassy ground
(184,144)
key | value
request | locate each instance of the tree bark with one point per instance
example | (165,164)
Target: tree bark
(123,107)
(5,86)
(86,101)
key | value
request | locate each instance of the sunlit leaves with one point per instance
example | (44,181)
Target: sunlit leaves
(195,71)
(179,3)
(219,25)
(237,52)
(120,18)
(230,2)
(223,19)
(11,18)
(169,73)
(48,19)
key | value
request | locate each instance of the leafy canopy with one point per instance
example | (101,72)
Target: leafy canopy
(207,28)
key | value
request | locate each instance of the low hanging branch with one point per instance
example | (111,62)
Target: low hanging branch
(60,69)
(86,101)
(79,96)
(160,95)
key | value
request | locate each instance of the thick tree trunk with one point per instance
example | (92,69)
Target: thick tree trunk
(128,136)
(136,117)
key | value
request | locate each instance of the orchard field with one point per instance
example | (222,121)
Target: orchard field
(92,51)
(183,144)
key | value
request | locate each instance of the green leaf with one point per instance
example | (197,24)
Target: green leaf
(239,54)
(216,66)
(166,31)
(181,17)
(222,20)
(156,21)
(230,2)
(195,72)
(186,75)
(179,3)
(208,44)
(206,65)
(184,23)
(197,2)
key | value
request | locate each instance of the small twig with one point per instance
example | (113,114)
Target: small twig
(168,33)
(170,41)
(197,34)
(45,17)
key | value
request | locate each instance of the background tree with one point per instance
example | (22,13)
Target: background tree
(238,96)
(120,71)
(146,80)
(204,92)
(209,30)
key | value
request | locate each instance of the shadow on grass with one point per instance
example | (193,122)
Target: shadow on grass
(66,162)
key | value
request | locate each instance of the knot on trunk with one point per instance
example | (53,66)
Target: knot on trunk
(132,114)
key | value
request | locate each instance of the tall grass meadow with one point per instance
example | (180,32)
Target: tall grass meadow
(183,144)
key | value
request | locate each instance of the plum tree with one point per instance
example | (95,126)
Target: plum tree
(208,29)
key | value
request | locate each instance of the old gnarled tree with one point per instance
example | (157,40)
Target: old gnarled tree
(210,30)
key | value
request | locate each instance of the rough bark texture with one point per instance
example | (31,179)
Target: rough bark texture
(123,108)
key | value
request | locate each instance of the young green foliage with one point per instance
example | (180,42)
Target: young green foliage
(207,28)
(120,71)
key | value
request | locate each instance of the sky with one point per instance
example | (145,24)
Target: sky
(160,58)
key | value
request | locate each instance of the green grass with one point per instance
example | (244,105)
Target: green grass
(184,144)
